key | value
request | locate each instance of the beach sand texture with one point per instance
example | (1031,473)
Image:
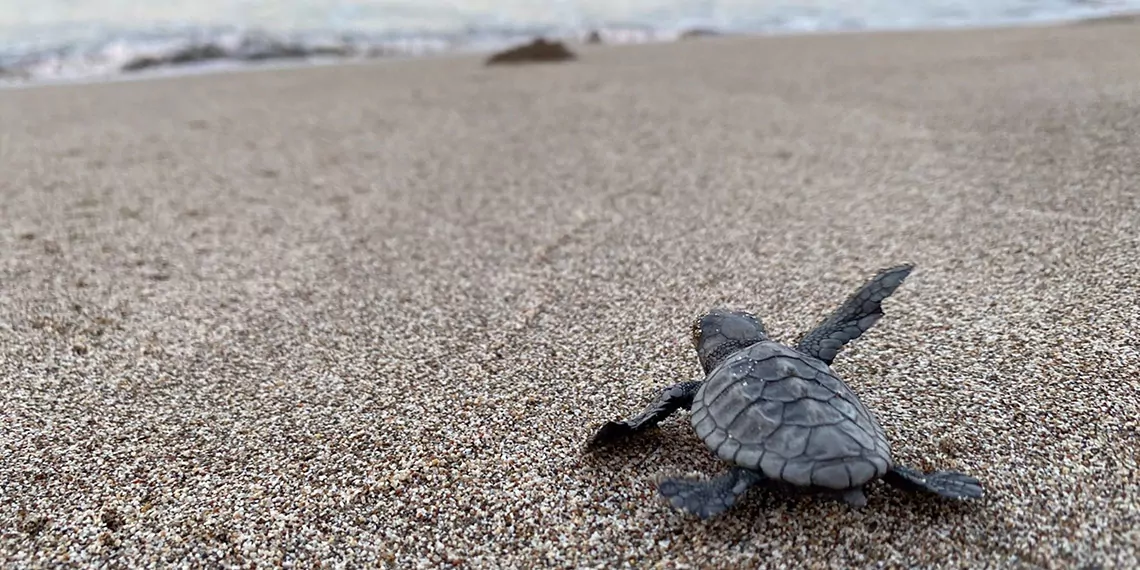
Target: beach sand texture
(368,315)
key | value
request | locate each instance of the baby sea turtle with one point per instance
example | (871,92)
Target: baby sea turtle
(780,413)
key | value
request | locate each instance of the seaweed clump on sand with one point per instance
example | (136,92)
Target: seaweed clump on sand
(537,51)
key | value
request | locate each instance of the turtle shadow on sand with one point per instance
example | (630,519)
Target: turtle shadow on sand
(781,417)
(661,452)
(771,513)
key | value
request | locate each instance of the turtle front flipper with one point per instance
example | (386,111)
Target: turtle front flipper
(858,313)
(949,484)
(671,399)
(709,498)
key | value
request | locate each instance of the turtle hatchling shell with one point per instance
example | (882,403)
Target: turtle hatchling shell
(772,409)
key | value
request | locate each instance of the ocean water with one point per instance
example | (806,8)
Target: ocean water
(70,39)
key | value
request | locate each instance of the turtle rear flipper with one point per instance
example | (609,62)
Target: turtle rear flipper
(950,484)
(855,316)
(673,398)
(709,498)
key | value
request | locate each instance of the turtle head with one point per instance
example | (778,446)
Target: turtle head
(721,332)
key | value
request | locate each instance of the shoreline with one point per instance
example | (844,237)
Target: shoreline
(575,40)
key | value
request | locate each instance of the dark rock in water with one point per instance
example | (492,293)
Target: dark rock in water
(698,33)
(278,52)
(540,50)
(190,54)
(254,47)
(197,53)
(260,47)
(246,47)
(594,37)
(143,62)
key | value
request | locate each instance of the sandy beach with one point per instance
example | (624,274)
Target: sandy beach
(368,315)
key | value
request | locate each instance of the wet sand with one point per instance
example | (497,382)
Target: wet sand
(368,315)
